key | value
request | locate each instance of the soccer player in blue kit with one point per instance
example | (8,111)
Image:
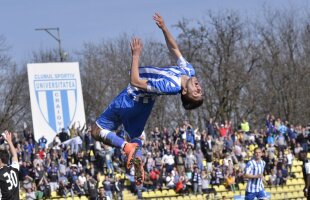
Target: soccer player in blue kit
(254,172)
(132,107)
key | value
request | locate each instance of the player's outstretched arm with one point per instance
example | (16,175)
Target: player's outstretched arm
(8,138)
(170,41)
(136,48)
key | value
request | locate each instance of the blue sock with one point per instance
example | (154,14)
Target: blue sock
(137,140)
(114,140)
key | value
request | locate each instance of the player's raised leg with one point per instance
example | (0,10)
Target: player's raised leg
(110,138)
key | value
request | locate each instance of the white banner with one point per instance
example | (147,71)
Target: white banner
(56,98)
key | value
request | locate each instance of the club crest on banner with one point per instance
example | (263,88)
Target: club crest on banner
(57,100)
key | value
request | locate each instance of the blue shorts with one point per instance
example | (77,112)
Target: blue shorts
(251,195)
(123,110)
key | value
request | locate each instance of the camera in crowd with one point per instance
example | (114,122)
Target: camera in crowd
(2,137)
(2,140)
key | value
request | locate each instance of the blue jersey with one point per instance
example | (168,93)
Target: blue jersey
(161,81)
(255,168)
(132,107)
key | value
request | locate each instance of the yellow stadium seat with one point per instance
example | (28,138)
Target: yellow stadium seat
(145,195)
(279,189)
(251,147)
(298,175)
(216,187)
(152,194)
(276,196)
(281,196)
(289,195)
(289,188)
(200,196)
(299,187)
(22,195)
(289,182)
(54,194)
(242,186)
(297,163)
(294,169)
(186,198)
(295,195)
(164,192)
(217,196)
(125,191)
(101,179)
(300,181)
(273,190)
(171,192)
(192,197)
(204,162)
(298,168)
(158,193)
(230,194)
(267,189)
(300,194)
(127,183)
(285,152)
(221,188)
(294,182)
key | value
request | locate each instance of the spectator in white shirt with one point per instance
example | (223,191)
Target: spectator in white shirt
(290,157)
(168,161)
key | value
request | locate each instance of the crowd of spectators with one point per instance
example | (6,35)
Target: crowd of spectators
(186,159)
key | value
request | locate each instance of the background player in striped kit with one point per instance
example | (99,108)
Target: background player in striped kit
(254,172)
(132,107)
(305,171)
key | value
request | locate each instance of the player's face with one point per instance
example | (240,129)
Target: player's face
(258,154)
(194,89)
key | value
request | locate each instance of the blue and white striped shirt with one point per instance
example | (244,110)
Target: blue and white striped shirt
(255,168)
(161,81)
